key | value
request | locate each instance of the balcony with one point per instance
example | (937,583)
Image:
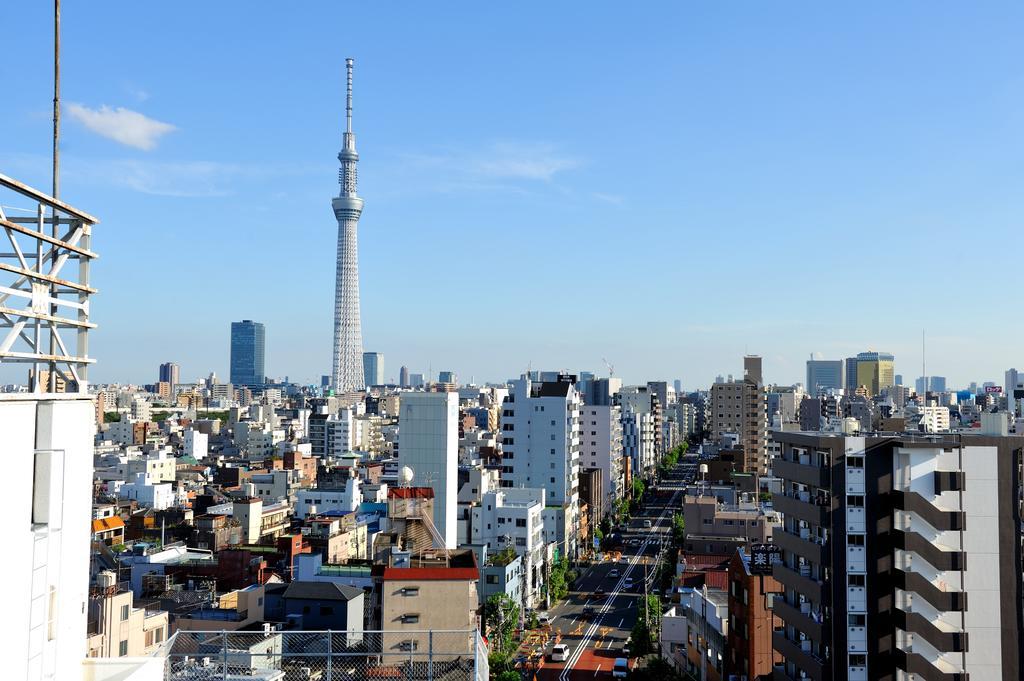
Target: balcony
(808,547)
(953,601)
(805,474)
(794,652)
(811,509)
(943,640)
(802,583)
(801,617)
(929,512)
(936,557)
(916,664)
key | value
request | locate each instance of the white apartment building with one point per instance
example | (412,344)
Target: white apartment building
(540,428)
(148,492)
(934,419)
(638,440)
(429,424)
(158,466)
(196,444)
(601,446)
(514,517)
(314,501)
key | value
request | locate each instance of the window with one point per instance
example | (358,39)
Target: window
(552,479)
(855,461)
(855,580)
(857,620)
(409,644)
(520,522)
(520,541)
(160,634)
(492,579)
(122,648)
(855,500)
(410,618)
(125,609)
(855,539)
(858,660)
(411,591)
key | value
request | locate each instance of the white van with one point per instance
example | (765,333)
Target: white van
(621,668)
(560,653)
(647,525)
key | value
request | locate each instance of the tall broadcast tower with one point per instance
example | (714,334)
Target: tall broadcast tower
(348,332)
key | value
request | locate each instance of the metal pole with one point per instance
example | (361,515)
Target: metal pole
(56,184)
(430,655)
(224,653)
(330,640)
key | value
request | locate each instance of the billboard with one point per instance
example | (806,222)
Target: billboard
(763,557)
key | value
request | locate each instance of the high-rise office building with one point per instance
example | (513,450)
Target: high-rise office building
(447,377)
(348,331)
(248,348)
(373,368)
(927,384)
(900,556)
(875,372)
(850,375)
(403,377)
(169,373)
(429,430)
(823,374)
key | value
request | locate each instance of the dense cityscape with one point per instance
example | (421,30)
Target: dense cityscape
(862,523)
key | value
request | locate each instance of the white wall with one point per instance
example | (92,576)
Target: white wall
(57,590)
(429,428)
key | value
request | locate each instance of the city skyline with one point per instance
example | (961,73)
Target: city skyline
(742,157)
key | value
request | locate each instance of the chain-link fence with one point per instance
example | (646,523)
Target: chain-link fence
(327,655)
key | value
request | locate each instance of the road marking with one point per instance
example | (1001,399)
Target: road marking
(597,670)
(620,623)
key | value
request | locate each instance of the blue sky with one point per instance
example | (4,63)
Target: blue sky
(668,185)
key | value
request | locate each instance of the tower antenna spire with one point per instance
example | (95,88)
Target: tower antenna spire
(348,96)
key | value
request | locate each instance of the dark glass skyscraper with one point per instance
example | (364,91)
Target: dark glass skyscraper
(248,341)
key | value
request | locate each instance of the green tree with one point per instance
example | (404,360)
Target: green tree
(501,617)
(647,630)
(678,529)
(559,579)
(638,488)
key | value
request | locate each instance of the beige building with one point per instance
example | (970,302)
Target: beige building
(718,528)
(430,595)
(228,612)
(875,372)
(741,407)
(116,627)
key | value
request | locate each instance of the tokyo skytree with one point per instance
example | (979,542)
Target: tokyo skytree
(348,333)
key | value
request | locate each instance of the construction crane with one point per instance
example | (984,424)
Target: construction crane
(611,369)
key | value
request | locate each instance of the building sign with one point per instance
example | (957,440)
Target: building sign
(994,389)
(763,557)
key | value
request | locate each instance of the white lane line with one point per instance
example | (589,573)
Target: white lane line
(597,670)
(620,623)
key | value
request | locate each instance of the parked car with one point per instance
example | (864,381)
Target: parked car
(621,668)
(543,618)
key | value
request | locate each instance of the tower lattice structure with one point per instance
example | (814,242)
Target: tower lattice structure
(348,332)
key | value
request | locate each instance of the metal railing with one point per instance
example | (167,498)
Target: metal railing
(405,654)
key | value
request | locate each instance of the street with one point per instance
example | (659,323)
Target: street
(597,638)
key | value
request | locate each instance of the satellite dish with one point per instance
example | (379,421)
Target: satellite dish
(405,476)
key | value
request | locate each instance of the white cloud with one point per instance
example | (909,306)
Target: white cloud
(128,127)
(523,161)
